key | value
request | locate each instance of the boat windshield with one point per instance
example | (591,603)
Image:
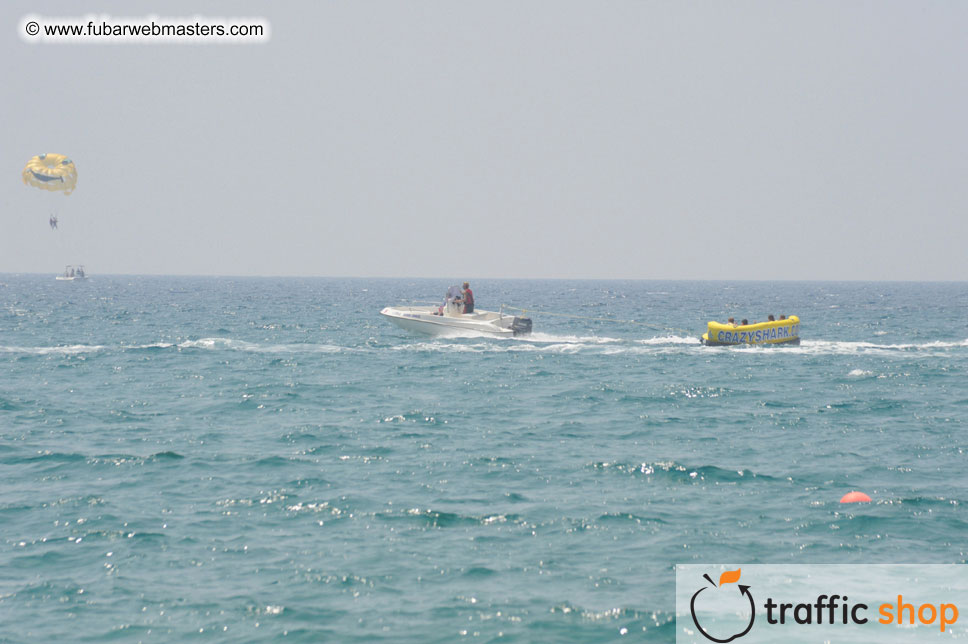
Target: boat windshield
(453,293)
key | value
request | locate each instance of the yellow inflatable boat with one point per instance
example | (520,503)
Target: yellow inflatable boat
(776,332)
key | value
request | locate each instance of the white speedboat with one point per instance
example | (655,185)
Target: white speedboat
(431,320)
(448,319)
(72,274)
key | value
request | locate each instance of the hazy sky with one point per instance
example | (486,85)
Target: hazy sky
(693,140)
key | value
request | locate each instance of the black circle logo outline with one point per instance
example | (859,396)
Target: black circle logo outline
(745,590)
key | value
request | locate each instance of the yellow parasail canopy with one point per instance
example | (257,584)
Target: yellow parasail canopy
(53,172)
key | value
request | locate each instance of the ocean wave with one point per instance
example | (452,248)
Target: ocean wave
(50,457)
(151,345)
(558,345)
(537,343)
(440,519)
(66,350)
(937,502)
(837,347)
(132,459)
(242,345)
(609,614)
(670,339)
(678,472)
(483,347)
(628,517)
(229,344)
(672,344)
(566,339)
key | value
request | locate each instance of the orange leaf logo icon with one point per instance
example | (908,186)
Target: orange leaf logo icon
(730,576)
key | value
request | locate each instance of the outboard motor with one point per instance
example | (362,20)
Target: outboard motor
(521,326)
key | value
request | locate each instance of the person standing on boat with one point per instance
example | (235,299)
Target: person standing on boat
(468,297)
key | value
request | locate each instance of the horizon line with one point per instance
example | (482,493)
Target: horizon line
(483,278)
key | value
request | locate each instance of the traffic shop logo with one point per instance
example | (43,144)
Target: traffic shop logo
(743,596)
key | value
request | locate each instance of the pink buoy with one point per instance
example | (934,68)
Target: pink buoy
(855,497)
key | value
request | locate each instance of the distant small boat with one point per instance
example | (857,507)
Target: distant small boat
(774,332)
(72,274)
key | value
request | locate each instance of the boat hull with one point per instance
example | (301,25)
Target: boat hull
(778,332)
(422,319)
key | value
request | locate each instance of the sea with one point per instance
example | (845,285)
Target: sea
(217,459)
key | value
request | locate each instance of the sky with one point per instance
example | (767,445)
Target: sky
(620,140)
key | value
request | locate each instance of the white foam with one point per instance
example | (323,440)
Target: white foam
(559,345)
(242,345)
(571,339)
(216,343)
(442,347)
(68,350)
(843,347)
(670,339)
(536,343)
(152,345)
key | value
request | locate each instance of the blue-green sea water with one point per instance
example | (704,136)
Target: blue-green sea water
(268,460)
